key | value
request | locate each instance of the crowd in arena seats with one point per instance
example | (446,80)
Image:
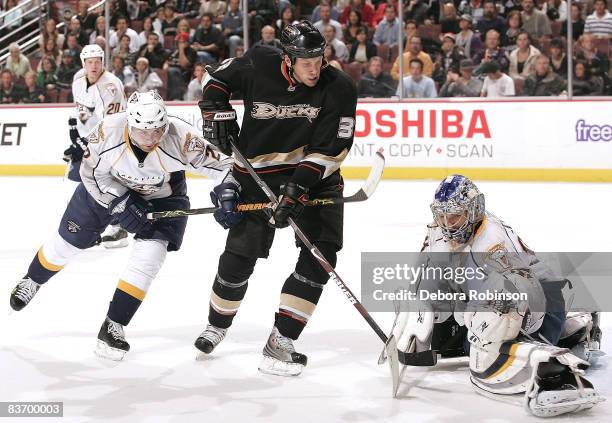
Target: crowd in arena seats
(452,48)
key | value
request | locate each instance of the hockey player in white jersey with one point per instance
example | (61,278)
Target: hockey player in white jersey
(97,94)
(134,164)
(519,350)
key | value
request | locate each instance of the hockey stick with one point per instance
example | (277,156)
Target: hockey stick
(390,344)
(363,194)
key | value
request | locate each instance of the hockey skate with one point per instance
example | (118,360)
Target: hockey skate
(111,341)
(210,338)
(280,358)
(115,237)
(23,293)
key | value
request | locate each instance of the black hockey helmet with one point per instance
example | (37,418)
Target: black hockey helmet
(302,40)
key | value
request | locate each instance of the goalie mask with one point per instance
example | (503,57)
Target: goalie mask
(147,119)
(458,207)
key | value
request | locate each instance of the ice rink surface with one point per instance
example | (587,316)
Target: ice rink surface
(46,349)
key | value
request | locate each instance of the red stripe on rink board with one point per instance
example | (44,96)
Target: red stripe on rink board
(361,101)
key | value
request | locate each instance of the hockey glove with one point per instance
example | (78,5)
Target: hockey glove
(130,211)
(290,204)
(78,147)
(219,125)
(226,196)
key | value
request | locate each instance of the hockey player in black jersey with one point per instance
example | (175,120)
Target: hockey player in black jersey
(297,129)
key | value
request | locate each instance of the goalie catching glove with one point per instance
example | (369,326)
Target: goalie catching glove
(219,125)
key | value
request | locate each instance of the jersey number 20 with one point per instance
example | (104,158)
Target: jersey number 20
(113,108)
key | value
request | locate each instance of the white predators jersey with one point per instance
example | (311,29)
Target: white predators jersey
(94,102)
(112,168)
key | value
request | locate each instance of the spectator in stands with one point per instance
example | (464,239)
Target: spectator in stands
(362,50)
(555,10)
(543,82)
(73,47)
(558,59)
(585,84)
(496,83)
(410,30)
(122,29)
(577,22)
(100,41)
(75,29)
(515,27)
(329,54)
(153,51)
(67,15)
(329,33)
(522,59)
(50,31)
(490,20)
(597,62)
(180,66)
(326,19)
(217,8)
(232,27)
(208,41)
(184,26)
(467,39)
(122,71)
(123,50)
(287,17)
(87,18)
(600,22)
(316,16)
(448,60)
(417,85)
(381,10)
(449,22)
(17,62)
(366,13)
(147,28)
(416,10)
(46,77)
(474,8)
(194,89)
(462,84)
(51,50)
(170,20)
(354,24)
(415,51)
(536,23)
(66,71)
(387,30)
(144,78)
(33,93)
(493,51)
(268,38)
(187,8)
(261,13)
(158,21)
(13,16)
(375,82)
(99,29)
(9,91)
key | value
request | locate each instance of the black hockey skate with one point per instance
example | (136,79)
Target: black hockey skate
(111,341)
(23,293)
(115,237)
(210,338)
(280,358)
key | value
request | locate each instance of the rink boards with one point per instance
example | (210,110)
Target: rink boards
(538,139)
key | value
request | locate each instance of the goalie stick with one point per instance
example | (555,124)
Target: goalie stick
(363,194)
(390,344)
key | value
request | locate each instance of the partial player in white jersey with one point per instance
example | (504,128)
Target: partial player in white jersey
(520,350)
(97,93)
(134,164)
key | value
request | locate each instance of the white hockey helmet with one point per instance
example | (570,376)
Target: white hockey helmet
(146,110)
(92,50)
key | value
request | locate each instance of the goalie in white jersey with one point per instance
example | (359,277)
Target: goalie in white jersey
(134,164)
(520,351)
(97,93)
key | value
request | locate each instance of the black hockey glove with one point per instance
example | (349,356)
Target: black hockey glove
(226,196)
(78,147)
(130,211)
(219,125)
(290,204)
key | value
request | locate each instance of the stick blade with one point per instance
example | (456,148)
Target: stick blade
(393,360)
